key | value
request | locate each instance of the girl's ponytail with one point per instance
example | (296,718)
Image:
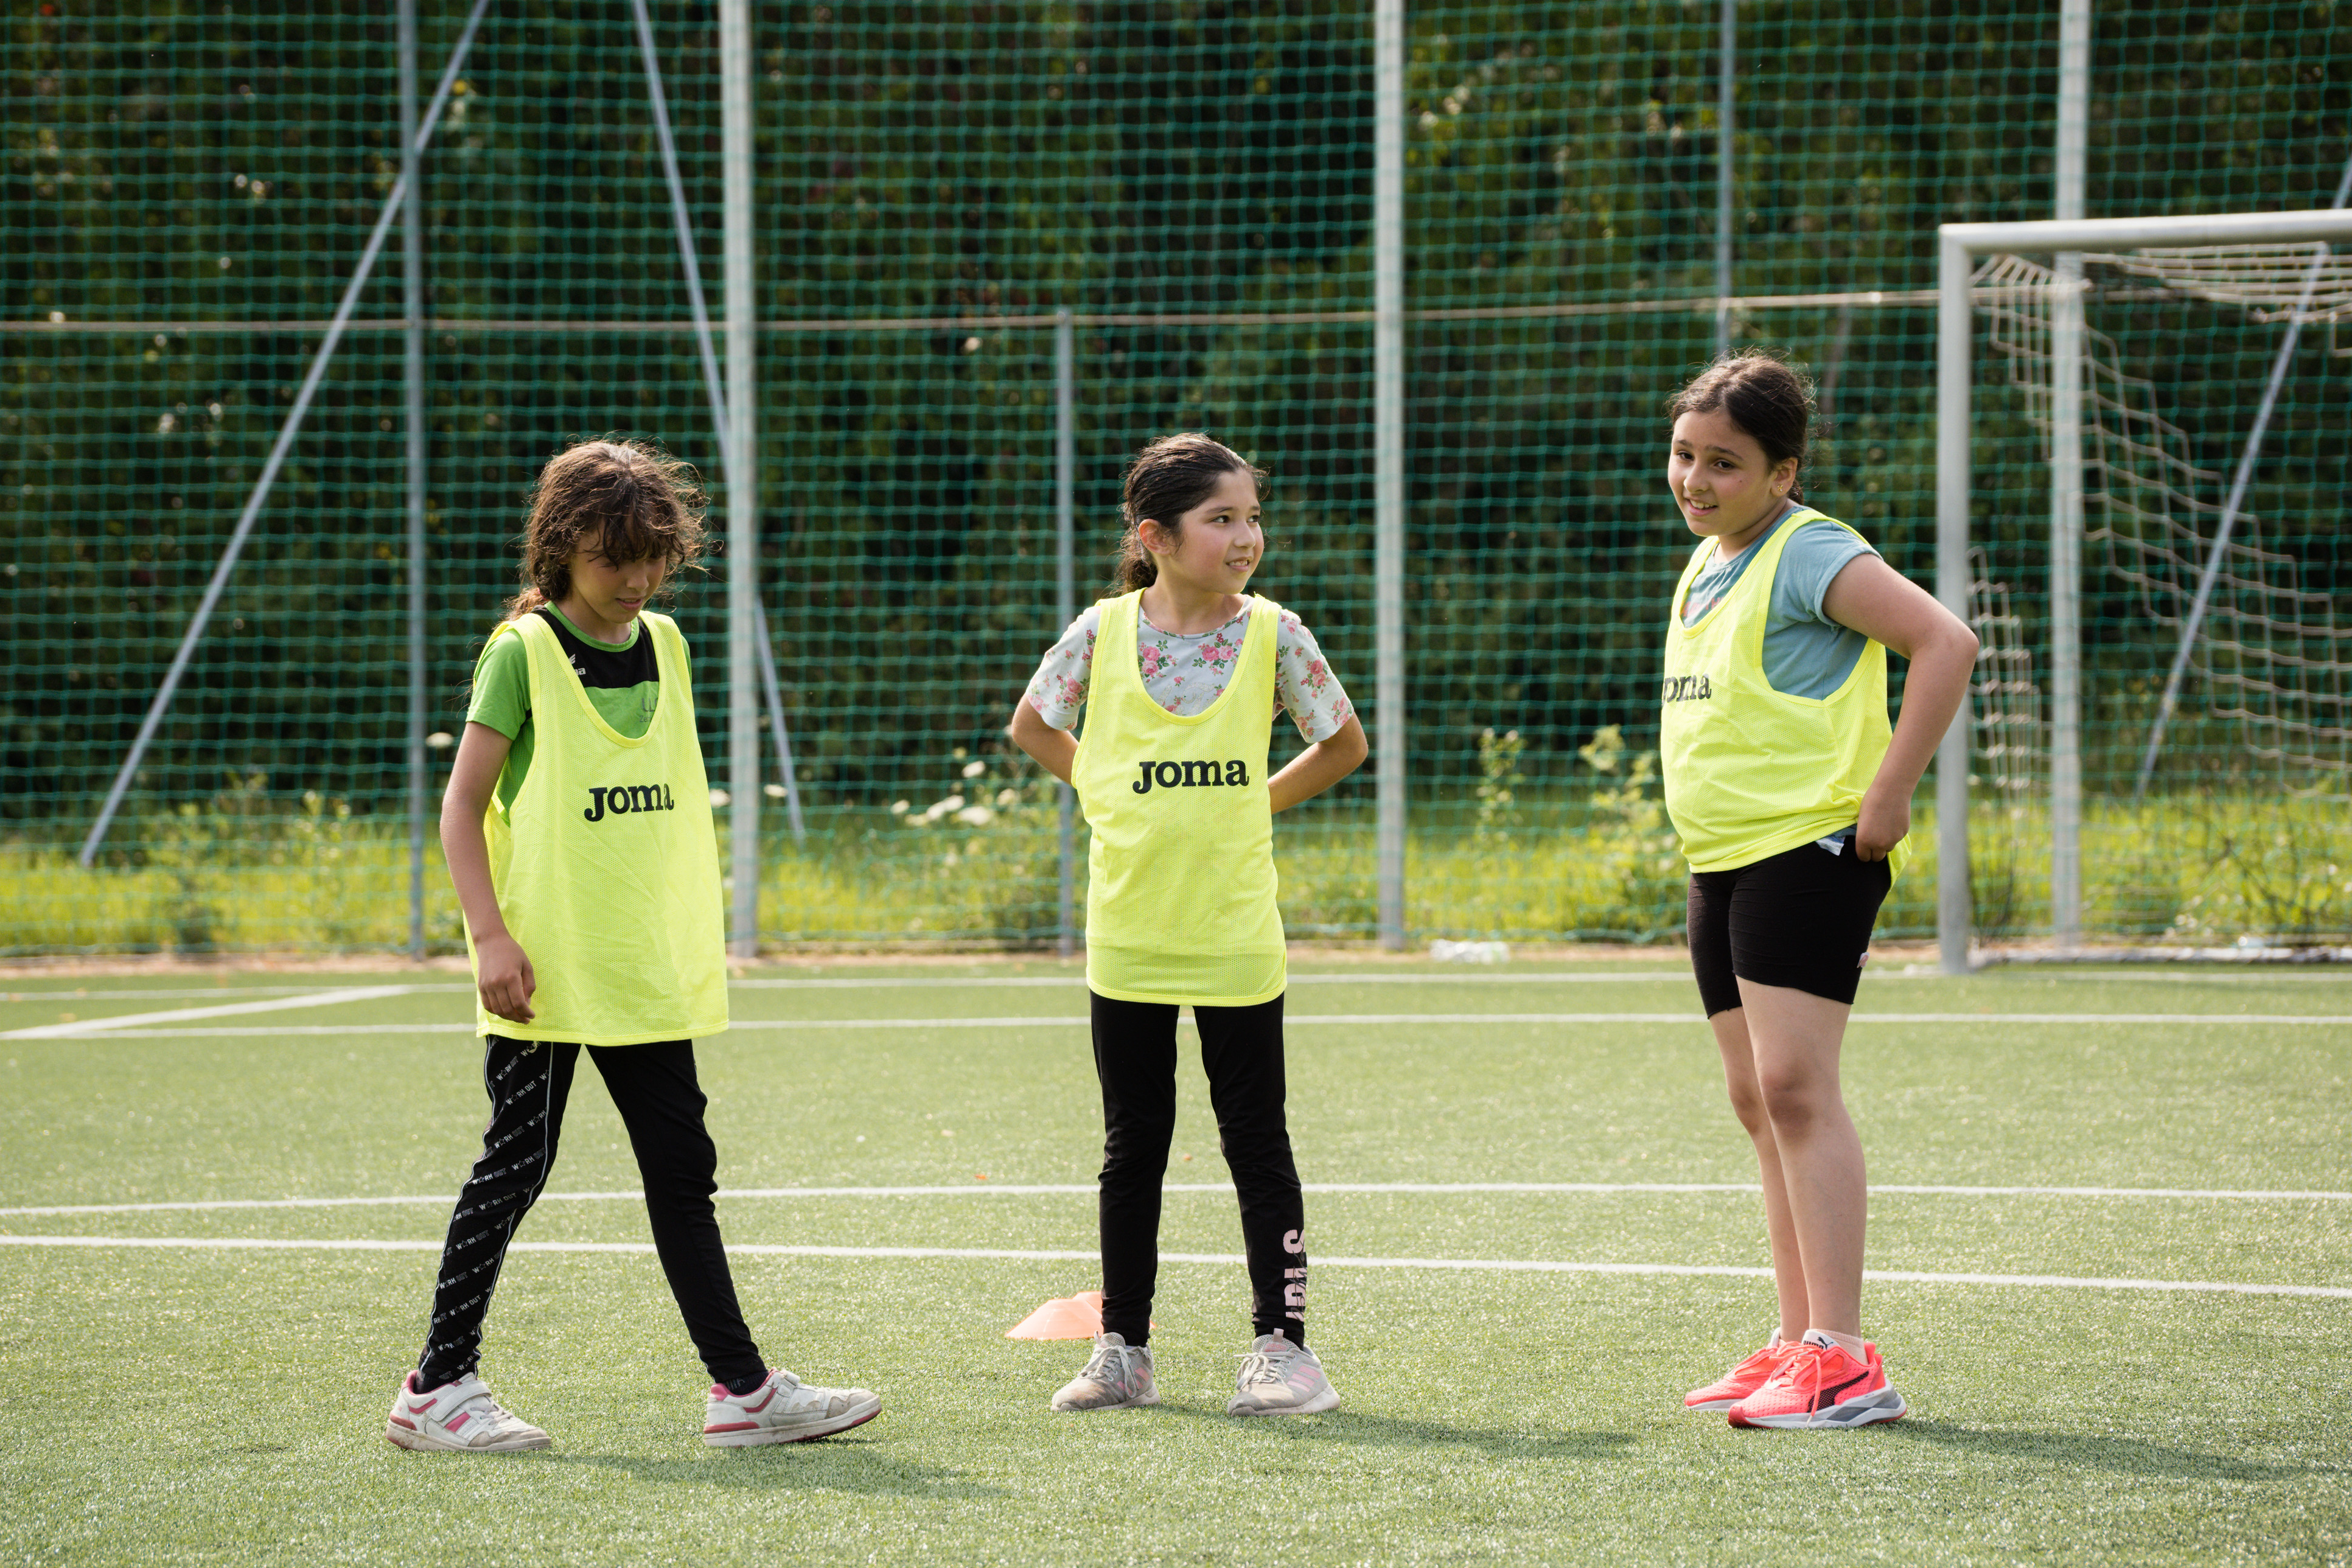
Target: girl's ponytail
(1168,478)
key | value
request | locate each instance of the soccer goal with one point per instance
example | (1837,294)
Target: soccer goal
(2154,376)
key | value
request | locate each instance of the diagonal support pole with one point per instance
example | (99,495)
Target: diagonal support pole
(784,773)
(277,453)
(2229,507)
(745,913)
(685,221)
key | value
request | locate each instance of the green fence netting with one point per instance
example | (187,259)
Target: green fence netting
(184,189)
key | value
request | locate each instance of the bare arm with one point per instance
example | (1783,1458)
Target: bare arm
(1054,750)
(1320,766)
(1874,598)
(503,973)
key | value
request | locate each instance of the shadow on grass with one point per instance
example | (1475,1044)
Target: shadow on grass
(1344,1425)
(2125,1456)
(845,1464)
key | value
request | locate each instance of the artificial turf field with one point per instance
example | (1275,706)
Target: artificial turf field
(216,1402)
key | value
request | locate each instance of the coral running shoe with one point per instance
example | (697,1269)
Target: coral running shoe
(1741,1381)
(1820,1384)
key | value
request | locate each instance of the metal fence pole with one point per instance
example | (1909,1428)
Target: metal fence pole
(744,643)
(1066,596)
(1954,349)
(1724,175)
(412,307)
(1388,460)
(2066,489)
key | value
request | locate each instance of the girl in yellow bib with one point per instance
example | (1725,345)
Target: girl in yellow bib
(1181,678)
(1793,801)
(577,830)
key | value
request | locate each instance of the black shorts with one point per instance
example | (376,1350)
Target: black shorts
(1801,919)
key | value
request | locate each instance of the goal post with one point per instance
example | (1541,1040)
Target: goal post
(1958,246)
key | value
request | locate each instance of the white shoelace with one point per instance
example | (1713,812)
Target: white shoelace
(1265,1366)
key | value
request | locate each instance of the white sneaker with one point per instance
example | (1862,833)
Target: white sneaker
(1116,1376)
(783,1409)
(460,1417)
(1279,1378)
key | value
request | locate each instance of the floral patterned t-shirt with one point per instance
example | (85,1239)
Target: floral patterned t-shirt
(1185,674)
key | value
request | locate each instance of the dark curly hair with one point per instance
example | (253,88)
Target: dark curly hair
(635,500)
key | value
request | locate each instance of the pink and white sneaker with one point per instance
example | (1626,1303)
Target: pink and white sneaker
(1279,1378)
(783,1409)
(458,1418)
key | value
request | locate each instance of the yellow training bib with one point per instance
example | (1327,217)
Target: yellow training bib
(1180,881)
(1749,771)
(605,865)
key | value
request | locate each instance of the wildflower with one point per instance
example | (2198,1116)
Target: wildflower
(974,769)
(976,816)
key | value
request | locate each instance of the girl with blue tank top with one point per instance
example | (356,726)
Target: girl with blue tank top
(1791,796)
(1181,676)
(577,829)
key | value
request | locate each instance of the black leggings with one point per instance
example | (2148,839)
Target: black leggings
(1134,1058)
(654,1087)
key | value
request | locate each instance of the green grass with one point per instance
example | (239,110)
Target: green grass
(240,874)
(218,1406)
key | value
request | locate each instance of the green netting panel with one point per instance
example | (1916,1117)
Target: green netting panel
(196,181)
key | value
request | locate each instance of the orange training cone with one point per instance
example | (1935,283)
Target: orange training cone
(1064,1317)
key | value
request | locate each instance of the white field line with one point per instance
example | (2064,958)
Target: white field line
(1457,1265)
(1077,982)
(81,1028)
(1075,1189)
(100,1029)
(218,993)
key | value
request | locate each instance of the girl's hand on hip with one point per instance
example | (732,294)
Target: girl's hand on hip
(505,979)
(1886,818)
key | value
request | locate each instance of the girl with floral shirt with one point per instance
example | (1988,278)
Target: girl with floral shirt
(1180,908)
(1185,674)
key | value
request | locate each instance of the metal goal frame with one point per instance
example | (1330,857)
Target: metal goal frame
(1957,246)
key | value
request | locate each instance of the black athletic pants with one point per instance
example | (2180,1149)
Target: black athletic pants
(1134,1058)
(661,1104)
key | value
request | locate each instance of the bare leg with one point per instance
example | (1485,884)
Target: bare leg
(1793,1042)
(1747,1103)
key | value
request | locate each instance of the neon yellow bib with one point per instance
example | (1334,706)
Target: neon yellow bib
(1180,878)
(605,865)
(1749,771)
